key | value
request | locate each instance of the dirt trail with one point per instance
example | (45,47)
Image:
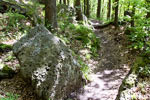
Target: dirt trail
(108,71)
(112,67)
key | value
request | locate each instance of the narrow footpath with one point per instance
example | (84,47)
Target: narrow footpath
(113,65)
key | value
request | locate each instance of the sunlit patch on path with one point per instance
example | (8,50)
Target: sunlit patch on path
(112,67)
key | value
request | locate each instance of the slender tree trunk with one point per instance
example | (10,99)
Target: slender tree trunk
(64,2)
(99,9)
(116,13)
(60,1)
(68,2)
(127,12)
(50,14)
(109,9)
(132,16)
(88,8)
(78,7)
(113,10)
(148,13)
(84,6)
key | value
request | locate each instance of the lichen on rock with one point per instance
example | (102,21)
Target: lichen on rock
(48,64)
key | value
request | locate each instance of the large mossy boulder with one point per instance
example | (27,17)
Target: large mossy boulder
(48,64)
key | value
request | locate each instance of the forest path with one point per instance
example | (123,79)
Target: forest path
(112,67)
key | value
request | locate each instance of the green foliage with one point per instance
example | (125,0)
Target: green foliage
(9,58)
(81,33)
(85,69)
(4,47)
(139,35)
(14,19)
(13,26)
(133,97)
(7,69)
(142,66)
(86,36)
(10,96)
(144,71)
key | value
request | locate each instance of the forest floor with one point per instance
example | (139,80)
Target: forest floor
(108,70)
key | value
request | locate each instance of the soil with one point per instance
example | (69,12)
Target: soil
(107,71)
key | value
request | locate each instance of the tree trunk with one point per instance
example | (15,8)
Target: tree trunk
(78,7)
(113,10)
(84,6)
(50,14)
(64,2)
(68,2)
(148,13)
(88,9)
(99,9)
(132,16)
(116,12)
(109,9)
(60,1)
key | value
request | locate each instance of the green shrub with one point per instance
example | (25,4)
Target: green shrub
(86,36)
(142,66)
(10,96)
(144,71)
(139,36)
(14,18)
(5,47)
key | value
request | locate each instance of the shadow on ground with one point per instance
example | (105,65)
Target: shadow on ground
(112,67)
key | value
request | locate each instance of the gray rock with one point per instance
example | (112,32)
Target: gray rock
(48,64)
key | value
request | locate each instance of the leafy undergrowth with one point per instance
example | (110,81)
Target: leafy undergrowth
(83,42)
(78,37)
(137,84)
(13,25)
(138,91)
(10,96)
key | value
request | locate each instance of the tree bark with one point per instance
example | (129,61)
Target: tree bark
(109,9)
(88,8)
(68,2)
(64,2)
(132,16)
(148,15)
(60,1)
(99,9)
(148,7)
(50,14)
(84,6)
(78,7)
(116,12)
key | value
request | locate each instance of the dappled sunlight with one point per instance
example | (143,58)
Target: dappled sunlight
(103,85)
(108,71)
(75,49)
